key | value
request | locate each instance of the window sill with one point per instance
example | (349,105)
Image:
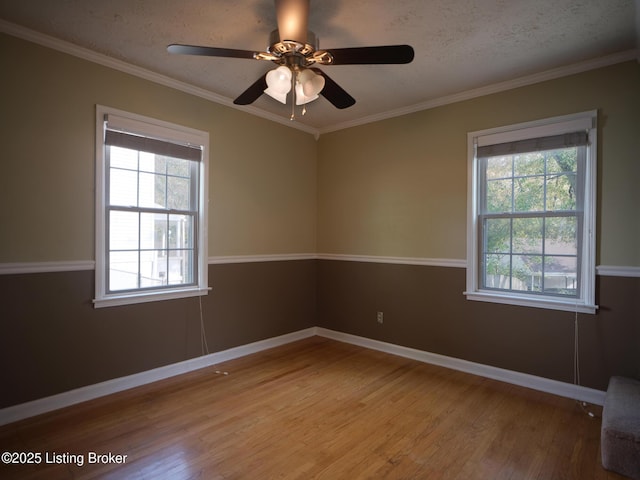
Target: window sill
(133,298)
(550,303)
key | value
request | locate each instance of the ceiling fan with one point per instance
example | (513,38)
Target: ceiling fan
(296,51)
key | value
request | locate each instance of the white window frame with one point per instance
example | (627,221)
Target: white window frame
(157,129)
(585,300)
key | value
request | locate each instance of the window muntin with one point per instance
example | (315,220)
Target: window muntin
(151,210)
(532,214)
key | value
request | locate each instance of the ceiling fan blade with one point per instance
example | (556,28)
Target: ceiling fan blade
(292,17)
(209,51)
(334,92)
(386,54)
(252,93)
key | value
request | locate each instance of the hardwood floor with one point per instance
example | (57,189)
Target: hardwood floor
(316,409)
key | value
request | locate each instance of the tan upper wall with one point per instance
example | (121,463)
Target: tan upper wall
(392,188)
(262,197)
(399,187)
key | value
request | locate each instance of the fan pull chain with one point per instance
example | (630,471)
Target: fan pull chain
(293,96)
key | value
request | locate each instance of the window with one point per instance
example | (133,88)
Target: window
(151,180)
(531,216)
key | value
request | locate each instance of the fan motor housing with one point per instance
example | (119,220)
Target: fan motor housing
(283,47)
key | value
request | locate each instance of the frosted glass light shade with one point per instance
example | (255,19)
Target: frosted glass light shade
(301,98)
(279,79)
(279,83)
(312,84)
(281,97)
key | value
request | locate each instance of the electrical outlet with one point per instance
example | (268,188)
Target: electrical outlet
(380,317)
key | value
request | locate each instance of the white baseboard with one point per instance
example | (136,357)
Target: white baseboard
(555,387)
(90,392)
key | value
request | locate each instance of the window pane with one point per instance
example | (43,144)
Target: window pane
(123,230)
(153,268)
(497,235)
(527,235)
(152,190)
(528,164)
(562,161)
(561,235)
(180,271)
(499,196)
(528,194)
(561,192)
(497,271)
(123,189)
(153,231)
(123,270)
(527,270)
(178,167)
(123,158)
(150,162)
(161,191)
(499,167)
(560,275)
(178,195)
(180,231)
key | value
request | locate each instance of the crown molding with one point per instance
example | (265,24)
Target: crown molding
(101,59)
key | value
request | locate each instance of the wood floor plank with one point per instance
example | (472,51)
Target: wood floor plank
(317,409)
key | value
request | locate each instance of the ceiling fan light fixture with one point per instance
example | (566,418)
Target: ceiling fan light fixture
(296,50)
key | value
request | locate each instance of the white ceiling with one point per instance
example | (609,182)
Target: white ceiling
(460,45)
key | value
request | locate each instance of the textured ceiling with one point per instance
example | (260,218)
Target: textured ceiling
(460,45)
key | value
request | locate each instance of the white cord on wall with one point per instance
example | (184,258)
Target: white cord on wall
(576,351)
(203,337)
(203,333)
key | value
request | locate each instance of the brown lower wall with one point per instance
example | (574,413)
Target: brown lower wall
(424,308)
(53,340)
